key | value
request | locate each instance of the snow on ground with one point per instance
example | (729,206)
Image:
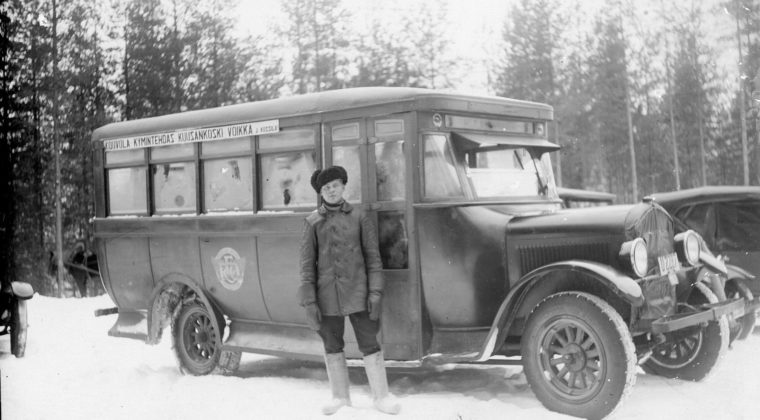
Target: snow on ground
(74,370)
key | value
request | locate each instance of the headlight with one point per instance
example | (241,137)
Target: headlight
(688,246)
(634,255)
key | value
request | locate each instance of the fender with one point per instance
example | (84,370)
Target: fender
(155,319)
(22,290)
(738,272)
(616,281)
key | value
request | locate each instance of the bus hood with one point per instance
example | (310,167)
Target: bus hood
(593,234)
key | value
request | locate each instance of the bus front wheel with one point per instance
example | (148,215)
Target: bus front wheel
(578,355)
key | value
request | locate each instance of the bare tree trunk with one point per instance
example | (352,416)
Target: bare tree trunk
(703,164)
(629,118)
(127,110)
(742,111)
(56,151)
(676,166)
(559,153)
(631,145)
(316,46)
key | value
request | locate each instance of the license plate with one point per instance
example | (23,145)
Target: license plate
(668,263)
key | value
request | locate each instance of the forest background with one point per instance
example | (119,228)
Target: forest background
(644,100)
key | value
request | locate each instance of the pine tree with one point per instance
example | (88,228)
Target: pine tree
(318,34)
(32,153)
(214,60)
(11,131)
(610,73)
(530,38)
(147,67)
(432,63)
(262,76)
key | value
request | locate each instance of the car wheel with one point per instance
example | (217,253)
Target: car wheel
(578,355)
(198,345)
(691,353)
(735,289)
(18,328)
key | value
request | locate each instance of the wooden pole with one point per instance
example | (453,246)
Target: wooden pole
(57,159)
(742,111)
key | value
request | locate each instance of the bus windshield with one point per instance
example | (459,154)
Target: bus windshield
(490,170)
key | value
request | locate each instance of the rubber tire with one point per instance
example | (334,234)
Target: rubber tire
(736,288)
(206,355)
(601,323)
(19,326)
(715,339)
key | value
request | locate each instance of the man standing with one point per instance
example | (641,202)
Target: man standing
(340,276)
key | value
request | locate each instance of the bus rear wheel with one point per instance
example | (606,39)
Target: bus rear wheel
(578,355)
(198,344)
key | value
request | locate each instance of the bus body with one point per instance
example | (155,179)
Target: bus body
(199,217)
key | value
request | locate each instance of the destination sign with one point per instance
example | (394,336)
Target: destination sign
(193,135)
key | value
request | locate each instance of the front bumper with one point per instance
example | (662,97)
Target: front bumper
(707,313)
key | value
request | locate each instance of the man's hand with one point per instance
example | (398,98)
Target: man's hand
(313,316)
(374,305)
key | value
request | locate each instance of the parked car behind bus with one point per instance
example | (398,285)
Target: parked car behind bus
(578,198)
(728,219)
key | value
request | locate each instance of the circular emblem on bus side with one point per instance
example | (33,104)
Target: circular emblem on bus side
(229,268)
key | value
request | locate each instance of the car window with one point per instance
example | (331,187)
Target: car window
(700,218)
(739,226)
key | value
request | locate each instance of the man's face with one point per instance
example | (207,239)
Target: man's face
(332,192)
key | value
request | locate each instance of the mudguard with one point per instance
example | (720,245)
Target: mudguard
(158,302)
(22,290)
(738,272)
(616,281)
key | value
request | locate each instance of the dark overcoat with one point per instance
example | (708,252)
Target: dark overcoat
(340,260)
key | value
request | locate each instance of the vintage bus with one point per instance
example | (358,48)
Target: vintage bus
(200,216)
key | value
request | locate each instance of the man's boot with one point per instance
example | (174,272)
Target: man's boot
(374,364)
(337,373)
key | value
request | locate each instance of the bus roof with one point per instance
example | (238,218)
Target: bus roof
(324,102)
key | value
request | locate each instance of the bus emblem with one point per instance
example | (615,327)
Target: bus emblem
(230,268)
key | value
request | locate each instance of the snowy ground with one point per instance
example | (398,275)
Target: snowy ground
(74,370)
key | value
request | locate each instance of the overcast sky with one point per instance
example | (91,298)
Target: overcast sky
(477,26)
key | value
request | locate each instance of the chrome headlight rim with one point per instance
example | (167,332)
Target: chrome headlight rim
(635,255)
(689,247)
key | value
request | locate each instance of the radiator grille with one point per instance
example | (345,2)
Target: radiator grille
(534,256)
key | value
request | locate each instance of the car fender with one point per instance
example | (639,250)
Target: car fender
(735,272)
(616,281)
(165,300)
(22,290)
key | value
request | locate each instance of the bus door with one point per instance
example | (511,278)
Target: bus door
(373,152)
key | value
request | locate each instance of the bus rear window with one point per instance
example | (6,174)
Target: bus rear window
(126,191)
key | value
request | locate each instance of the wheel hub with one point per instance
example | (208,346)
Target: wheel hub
(575,357)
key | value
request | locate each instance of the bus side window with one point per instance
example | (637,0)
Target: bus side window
(286,162)
(440,172)
(174,182)
(345,153)
(227,175)
(392,238)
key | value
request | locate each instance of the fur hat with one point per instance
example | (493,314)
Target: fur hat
(320,178)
